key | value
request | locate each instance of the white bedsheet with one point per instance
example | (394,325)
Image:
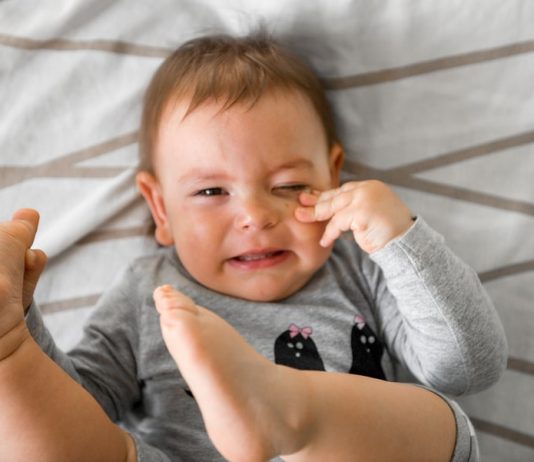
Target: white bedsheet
(435,97)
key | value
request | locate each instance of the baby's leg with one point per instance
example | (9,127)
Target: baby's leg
(16,236)
(248,405)
(254,409)
(44,414)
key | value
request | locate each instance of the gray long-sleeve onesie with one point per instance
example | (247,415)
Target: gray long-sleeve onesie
(412,305)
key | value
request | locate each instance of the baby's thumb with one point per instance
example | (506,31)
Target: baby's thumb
(34,264)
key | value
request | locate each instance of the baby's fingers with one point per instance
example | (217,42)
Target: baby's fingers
(340,223)
(331,193)
(327,204)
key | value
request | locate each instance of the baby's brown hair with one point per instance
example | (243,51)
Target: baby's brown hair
(230,70)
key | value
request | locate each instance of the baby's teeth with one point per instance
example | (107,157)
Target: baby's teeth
(252,257)
(256,257)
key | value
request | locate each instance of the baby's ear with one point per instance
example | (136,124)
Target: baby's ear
(336,156)
(151,190)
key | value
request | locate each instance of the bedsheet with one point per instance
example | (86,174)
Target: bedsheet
(435,98)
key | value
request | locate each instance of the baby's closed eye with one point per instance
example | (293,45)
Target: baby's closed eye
(293,187)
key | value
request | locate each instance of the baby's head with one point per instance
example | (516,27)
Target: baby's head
(233,130)
(228,70)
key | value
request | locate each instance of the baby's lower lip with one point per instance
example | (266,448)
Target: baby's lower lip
(259,261)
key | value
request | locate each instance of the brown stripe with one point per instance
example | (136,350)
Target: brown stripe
(465,195)
(503,432)
(98,149)
(63,166)
(465,154)
(361,172)
(113,234)
(508,270)
(334,83)
(59,44)
(426,67)
(13,175)
(69,304)
(520,365)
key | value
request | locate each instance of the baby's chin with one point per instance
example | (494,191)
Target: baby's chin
(265,290)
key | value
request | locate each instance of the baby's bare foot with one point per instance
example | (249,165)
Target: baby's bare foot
(253,409)
(16,237)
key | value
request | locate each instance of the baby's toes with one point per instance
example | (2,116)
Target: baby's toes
(170,302)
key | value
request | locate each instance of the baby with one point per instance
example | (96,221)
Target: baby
(254,332)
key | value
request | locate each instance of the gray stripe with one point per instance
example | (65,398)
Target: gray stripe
(508,270)
(69,304)
(64,166)
(60,44)
(427,67)
(503,432)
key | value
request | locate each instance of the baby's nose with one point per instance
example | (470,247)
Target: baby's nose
(257,213)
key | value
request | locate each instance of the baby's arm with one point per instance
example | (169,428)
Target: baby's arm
(44,414)
(434,314)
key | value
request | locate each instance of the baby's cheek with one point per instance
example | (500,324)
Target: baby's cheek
(311,231)
(308,237)
(195,238)
(312,253)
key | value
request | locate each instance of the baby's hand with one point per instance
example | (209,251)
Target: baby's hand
(20,267)
(372,211)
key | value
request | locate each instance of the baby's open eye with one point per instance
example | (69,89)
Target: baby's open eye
(210,192)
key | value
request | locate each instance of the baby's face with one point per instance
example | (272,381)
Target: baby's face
(229,184)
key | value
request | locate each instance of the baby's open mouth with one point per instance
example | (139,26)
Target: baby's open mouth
(259,256)
(255,260)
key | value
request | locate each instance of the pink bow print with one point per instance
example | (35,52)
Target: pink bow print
(295,330)
(360,322)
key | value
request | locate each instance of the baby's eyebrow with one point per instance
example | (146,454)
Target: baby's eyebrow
(202,175)
(295,163)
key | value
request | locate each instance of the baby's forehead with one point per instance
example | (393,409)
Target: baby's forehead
(180,106)
(278,121)
(273,110)
(176,107)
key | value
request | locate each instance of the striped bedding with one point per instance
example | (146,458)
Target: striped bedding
(435,98)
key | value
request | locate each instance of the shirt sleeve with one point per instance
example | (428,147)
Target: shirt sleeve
(104,362)
(147,453)
(435,316)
